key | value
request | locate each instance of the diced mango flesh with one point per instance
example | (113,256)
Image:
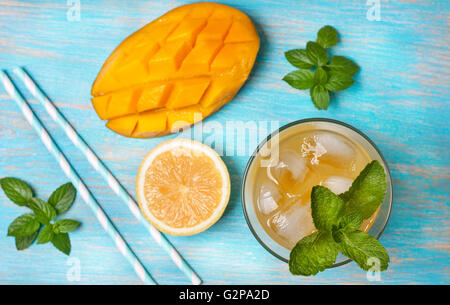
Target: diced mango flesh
(187,92)
(184,117)
(201,56)
(151,124)
(124,125)
(176,70)
(153,97)
(188,30)
(216,29)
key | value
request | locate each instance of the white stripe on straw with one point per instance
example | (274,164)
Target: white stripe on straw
(77,182)
(114,184)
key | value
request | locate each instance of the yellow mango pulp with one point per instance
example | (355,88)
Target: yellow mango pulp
(176,70)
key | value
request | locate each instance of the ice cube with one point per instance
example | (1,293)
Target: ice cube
(336,146)
(337,185)
(313,149)
(290,161)
(294,223)
(268,197)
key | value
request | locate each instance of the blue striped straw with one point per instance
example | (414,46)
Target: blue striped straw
(98,165)
(73,176)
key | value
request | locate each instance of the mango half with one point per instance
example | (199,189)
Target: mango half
(176,70)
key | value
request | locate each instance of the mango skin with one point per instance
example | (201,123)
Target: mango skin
(176,70)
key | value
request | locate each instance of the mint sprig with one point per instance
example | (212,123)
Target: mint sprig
(45,235)
(26,227)
(327,74)
(298,58)
(343,65)
(23,243)
(16,190)
(337,219)
(349,222)
(327,36)
(65,226)
(61,242)
(316,252)
(300,79)
(316,54)
(360,247)
(326,208)
(367,191)
(62,198)
(43,210)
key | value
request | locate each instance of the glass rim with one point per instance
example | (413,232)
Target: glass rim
(278,131)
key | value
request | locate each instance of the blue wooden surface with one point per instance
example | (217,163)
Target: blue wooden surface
(400,100)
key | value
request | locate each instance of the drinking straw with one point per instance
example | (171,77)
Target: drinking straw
(76,180)
(114,184)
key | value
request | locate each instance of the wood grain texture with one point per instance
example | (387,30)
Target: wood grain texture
(400,100)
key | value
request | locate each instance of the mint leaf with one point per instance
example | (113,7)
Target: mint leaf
(300,79)
(326,208)
(320,96)
(360,247)
(351,221)
(61,242)
(316,53)
(16,190)
(329,76)
(320,76)
(338,81)
(43,210)
(66,225)
(23,225)
(298,58)
(327,36)
(312,254)
(45,235)
(367,191)
(23,243)
(25,228)
(62,198)
(343,65)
